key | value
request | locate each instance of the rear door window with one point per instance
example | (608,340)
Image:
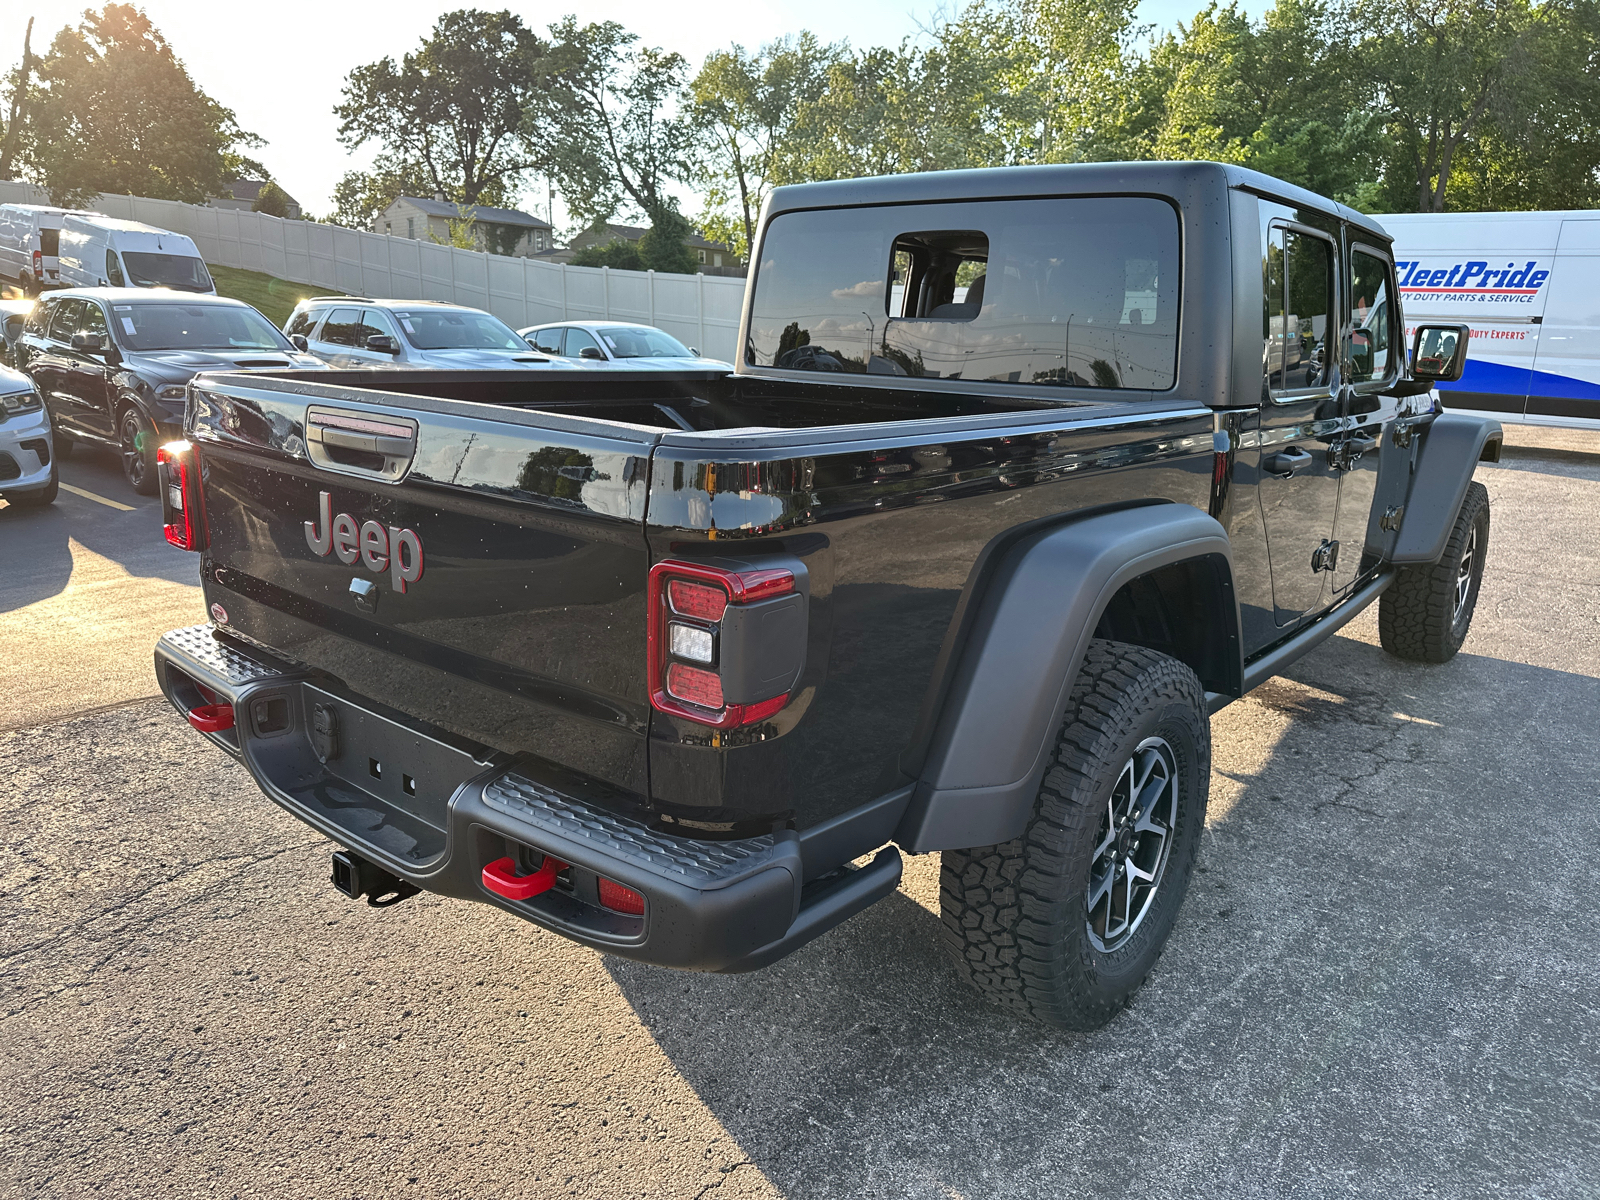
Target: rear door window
(341,326)
(1055,293)
(548,340)
(49,242)
(1299,303)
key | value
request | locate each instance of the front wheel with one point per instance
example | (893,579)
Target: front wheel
(1064,923)
(1425,614)
(137,443)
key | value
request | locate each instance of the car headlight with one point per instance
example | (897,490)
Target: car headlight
(172,391)
(19,402)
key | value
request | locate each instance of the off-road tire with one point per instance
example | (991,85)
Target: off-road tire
(1016,915)
(1418,616)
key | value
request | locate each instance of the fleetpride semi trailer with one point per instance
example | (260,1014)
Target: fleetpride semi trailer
(1528,284)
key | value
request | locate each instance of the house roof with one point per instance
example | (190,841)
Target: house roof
(478,212)
(632,233)
(250,189)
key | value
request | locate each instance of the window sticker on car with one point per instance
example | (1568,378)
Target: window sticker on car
(610,341)
(127,327)
(406,325)
(122,307)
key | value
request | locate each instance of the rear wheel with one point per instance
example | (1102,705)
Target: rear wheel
(1064,922)
(1425,614)
(137,443)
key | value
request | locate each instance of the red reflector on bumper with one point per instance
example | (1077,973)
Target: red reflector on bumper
(500,877)
(211,718)
(621,899)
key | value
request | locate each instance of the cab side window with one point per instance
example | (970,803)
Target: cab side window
(578,341)
(93,320)
(113,269)
(1299,305)
(1370,340)
(340,327)
(549,340)
(375,323)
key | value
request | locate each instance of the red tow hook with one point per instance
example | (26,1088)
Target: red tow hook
(500,877)
(211,718)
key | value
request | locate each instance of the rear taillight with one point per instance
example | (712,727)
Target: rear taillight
(183,518)
(38,262)
(726,645)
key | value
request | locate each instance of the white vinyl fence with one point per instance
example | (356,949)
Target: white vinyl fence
(701,310)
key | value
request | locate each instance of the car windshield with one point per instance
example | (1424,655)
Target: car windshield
(167,270)
(633,342)
(194,327)
(458,329)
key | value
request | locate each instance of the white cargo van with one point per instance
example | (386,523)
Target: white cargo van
(106,252)
(29,235)
(1528,284)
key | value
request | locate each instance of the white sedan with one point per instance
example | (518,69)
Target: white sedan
(617,344)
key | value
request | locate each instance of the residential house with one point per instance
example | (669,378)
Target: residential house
(243,193)
(508,231)
(715,258)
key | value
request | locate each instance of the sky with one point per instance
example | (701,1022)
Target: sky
(280,67)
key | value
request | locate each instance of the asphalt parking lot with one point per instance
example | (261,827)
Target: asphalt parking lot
(1385,981)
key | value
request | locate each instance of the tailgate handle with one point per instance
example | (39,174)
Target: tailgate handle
(358,443)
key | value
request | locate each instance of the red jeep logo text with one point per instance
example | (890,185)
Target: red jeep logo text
(380,548)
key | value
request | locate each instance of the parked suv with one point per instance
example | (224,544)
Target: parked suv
(27,468)
(352,331)
(113,364)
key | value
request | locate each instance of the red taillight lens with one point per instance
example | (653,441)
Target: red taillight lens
(694,686)
(182,517)
(706,602)
(38,262)
(620,899)
(693,609)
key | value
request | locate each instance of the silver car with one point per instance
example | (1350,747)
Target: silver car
(27,464)
(617,344)
(351,331)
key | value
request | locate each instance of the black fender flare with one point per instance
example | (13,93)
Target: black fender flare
(1452,446)
(998,725)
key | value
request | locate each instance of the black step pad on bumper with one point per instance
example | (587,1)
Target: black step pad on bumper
(435,810)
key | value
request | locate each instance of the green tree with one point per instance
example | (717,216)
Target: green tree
(464,111)
(742,108)
(663,249)
(115,111)
(616,142)
(460,230)
(617,253)
(18,87)
(272,200)
(360,197)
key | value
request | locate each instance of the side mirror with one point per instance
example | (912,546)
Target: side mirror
(531,342)
(298,341)
(383,343)
(90,343)
(695,350)
(591,352)
(1439,353)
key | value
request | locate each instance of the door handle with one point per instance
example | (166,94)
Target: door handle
(1286,463)
(1359,444)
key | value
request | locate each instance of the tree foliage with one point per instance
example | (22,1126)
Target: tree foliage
(111,109)
(463,114)
(272,200)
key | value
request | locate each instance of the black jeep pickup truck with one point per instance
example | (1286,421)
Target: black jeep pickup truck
(1021,475)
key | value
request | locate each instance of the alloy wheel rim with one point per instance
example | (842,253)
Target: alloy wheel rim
(1464,574)
(132,454)
(1133,844)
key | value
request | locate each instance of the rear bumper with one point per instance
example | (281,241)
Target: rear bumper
(435,810)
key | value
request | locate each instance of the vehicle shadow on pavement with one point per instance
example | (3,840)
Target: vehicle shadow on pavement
(35,542)
(1374,980)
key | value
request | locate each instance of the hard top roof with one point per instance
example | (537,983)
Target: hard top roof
(1008,183)
(147,295)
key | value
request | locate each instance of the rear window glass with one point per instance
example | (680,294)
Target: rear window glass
(1073,292)
(49,242)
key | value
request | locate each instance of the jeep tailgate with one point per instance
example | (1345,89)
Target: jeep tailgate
(479,567)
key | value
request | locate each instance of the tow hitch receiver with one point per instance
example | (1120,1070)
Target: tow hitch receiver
(356,877)
(500,877)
